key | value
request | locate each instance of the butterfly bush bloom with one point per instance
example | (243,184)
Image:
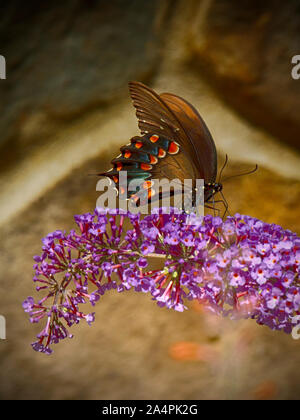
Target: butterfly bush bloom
(240,267)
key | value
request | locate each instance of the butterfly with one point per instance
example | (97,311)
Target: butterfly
(174,143)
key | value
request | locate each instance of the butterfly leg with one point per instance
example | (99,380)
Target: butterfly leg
(225,204)
(212,208)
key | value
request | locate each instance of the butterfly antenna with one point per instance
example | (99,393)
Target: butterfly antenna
(97,173)
(245,173)
(225,163)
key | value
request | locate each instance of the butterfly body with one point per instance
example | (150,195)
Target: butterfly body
(210,189)
(174,143)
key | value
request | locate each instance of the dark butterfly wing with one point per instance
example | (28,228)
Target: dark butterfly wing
(174,118)
(170,126)
(149,156)
(202,146)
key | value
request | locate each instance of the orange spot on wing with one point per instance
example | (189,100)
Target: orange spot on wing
(151,193)
(161,153)
(153,159)
(119,166)
(173,148)
(138,144)
(146,167)
(127,154)
(147,184)
(116,179)
(135,198)
(154,138)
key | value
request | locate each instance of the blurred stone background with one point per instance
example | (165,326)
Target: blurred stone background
(65,111)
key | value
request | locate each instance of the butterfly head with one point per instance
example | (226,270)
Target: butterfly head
(210,189)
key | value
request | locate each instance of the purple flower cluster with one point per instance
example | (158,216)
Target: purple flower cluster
(239,267)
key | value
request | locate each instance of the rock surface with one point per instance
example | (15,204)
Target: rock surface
(68,57)
(245,49)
